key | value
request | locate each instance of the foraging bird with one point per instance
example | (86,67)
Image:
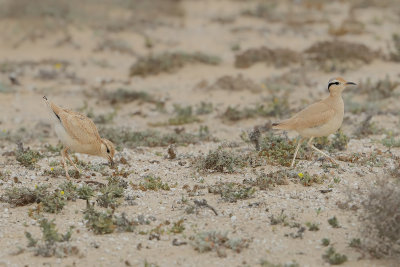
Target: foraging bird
(319,119)
(77,132)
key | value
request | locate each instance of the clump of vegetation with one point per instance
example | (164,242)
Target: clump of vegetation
(390,142)
(334,258)
(307,179)
(278,150)
(355,243)
(53,203)
(238,83)
(52,243)
(381,89)
(127,138)
(54,149)
(106,222)
(102,118)
(373,159)
(339,142)
(366,128)
(204,108)
(282,218)
(122,95)
(220,160)
(123,224)
(395,55)
(169,62)
(325,242)
(264,10)
(333,56)
(69,190)
(177,227)
(234,114)
(99,222)
(183,115)
(55,172)
(312,226)
(265,263)
(27,157)
(334,222)
(219,242)
(114,45)
(348,26)
(265,181)
(285,220)
(232,192)
(110,195)
(151,182)
(279,57)
(380,219)
(276,107)
(85,192)
(21,196)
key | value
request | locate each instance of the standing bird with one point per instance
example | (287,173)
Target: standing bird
(77,132)
(319,119)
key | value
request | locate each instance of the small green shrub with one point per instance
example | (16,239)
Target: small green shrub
(151,183)
(21,196)
(278,150)
(124,137)
(220,160)
(54,202)
(28,158)
(325,242)
(216,241)
(52,243)
(85,192)
(169,62)
(334,222)
(312,226)
(334,258)
(232,192)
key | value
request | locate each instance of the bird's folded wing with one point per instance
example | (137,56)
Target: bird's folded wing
(313,116)
(79,127)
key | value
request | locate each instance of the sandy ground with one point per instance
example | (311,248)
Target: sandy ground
(211,27)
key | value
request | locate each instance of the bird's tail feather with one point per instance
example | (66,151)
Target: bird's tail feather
(52,107)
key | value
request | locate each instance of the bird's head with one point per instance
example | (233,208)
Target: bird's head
(337,85)
(107,150)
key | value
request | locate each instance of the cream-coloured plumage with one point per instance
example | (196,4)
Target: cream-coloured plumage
(78,133)
(319,119)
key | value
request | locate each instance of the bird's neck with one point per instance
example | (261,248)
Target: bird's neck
(336,94)
(336,101)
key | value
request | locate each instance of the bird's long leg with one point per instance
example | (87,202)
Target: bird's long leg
(63,156)
(73,164)
(295,153)
(323,153)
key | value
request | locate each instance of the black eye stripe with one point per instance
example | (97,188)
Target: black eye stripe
(333,83)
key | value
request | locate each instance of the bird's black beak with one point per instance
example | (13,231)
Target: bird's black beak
(350,83)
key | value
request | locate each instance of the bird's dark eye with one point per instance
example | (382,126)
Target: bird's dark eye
(108,150)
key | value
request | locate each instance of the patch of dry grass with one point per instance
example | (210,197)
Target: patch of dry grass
(279,57)
(381,219)
(149,138)
(169,62)
(333,56)
(232,83)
